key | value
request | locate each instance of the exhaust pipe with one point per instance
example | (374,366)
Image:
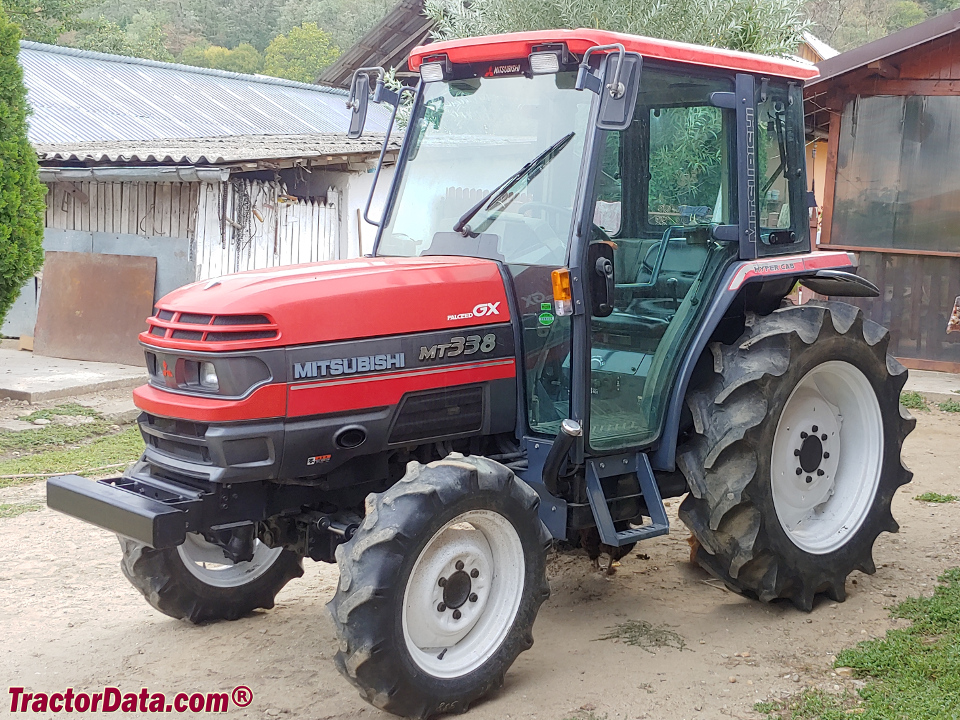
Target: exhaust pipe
(570,430)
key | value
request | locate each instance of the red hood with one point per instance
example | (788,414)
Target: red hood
(328,301)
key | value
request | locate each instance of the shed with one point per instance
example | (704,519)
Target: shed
(209,172)
(886,118)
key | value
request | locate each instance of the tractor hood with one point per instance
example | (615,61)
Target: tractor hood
(329,301)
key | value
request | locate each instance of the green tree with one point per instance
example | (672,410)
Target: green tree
(43,20)
(242,59)
(143,40)
(21,192)
(300,54)
(905,13)
(763,26)
(345,20)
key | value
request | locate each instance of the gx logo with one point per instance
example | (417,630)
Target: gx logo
(481,310)
(484,309)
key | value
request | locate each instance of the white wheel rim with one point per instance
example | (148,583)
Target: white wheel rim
(207,563)
(824,480)
(480,546)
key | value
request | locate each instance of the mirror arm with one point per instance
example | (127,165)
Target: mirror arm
(383,153)
(587,80)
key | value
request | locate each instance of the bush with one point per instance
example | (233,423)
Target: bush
(21,192)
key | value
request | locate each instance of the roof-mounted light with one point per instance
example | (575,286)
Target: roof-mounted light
(548,59)
(544,63)
(435,67)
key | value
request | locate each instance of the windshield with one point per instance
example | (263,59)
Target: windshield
(473,138)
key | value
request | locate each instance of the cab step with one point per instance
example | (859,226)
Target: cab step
(605,467)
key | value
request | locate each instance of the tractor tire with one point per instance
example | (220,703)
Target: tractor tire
(440,586)
(795,455)
(195,582)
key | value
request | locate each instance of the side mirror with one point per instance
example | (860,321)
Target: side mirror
(601,271)
(358,102)
(617,90)
(617,103)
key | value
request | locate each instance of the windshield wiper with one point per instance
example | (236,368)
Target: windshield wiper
(500,193)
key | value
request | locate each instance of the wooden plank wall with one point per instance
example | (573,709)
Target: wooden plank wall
(148,209)
(251,225)
(917,294)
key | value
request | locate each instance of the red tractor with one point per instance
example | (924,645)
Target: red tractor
(576,306)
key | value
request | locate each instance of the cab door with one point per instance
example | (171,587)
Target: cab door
(663,186)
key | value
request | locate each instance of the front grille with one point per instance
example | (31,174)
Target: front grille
(241,320)
(199,327)
(195,319)
(438,414)
(181,439)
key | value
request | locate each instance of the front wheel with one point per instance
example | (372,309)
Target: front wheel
(795,456)
(440,586)
(196,582)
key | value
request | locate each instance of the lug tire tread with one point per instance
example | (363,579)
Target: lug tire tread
(170,588)
(729,508)
(369,595)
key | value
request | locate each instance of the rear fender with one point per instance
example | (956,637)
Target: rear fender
(738,278)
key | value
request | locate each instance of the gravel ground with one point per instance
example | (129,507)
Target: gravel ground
(71,619)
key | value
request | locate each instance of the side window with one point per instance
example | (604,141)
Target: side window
(688,174)
(782,212)
(608,212)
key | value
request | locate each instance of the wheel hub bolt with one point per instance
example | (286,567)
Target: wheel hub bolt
(473,597)
(824,437)
(474,573)
(456,615)
(826,455)
(820,473)
(809,479)
(814,428)
(459,564)
(441,607)
(442,582)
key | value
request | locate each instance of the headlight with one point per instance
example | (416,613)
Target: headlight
(208,376)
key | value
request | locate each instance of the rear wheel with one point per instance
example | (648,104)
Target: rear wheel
(440,586)
(796,453)
(196,582)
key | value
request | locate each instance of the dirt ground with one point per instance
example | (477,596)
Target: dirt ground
(70,619)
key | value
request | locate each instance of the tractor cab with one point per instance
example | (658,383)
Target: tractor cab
(616,180)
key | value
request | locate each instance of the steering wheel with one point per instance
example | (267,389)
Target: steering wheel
(660,247)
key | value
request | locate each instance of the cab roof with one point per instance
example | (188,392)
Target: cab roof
(511,46)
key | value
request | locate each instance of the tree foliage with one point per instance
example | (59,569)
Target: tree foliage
(21,192)
(847,24)
(242,59)
(346,20)
(764,26)
(300,54)
(43,20)
(143,39)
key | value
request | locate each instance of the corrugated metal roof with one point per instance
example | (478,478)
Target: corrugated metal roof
(77,95)
(212,150)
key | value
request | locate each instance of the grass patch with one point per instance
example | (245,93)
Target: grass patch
(912,672)
(10,511)
(949,406)
(812,705)
(935,497)
(644,635)
(54,435)
(123,447)
(68,409)
(912,400)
